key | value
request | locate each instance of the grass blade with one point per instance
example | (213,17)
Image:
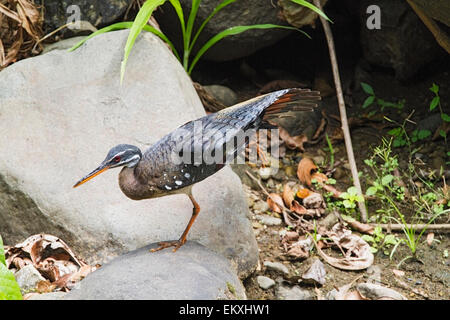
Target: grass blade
(312,7)
(177,6)
(216,10)
(139,22)
(233,31)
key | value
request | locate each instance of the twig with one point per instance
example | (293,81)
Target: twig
(344,121)
(440,36)
(404,285)
(400,227)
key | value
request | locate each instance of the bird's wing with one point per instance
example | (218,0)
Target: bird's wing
(201,147)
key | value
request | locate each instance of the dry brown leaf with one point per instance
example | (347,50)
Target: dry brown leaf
(359,226)
(298,208)
(289,192)
(44,286)
(305,170)
(291,142)
(275,202)
(357,254)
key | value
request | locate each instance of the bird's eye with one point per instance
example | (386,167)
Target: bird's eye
(116,159)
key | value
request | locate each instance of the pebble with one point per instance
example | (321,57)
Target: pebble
(293,293)
(260,206)
(28,277)
(268,220)
(290,171)
(265,173)
(318,160)
(265,282)
(276,266)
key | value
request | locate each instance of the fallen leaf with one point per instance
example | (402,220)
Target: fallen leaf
(305,169)
(293,142)
(430,238)
(44,286)
(275,202)
(398,273)
(289,191)
(316,273)
(358,226)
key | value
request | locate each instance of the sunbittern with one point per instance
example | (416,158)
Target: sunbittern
(166,169)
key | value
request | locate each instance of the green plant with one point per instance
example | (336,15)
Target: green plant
(435,102)
(380,102)
(380,241)
(330,148)
(351,198)
(9,289)
(188,35)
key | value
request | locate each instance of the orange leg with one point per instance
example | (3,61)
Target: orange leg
(178,243)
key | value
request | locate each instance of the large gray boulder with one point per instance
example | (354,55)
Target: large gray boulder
(59,115)
(192,273)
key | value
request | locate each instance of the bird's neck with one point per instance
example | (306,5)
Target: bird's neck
(131,186)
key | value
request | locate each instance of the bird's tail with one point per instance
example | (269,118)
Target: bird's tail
(294,99)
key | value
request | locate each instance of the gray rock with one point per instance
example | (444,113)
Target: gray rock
(71,111)
(28,277)
(63,44)
(238,13)
(293,293)
(375,292)
(276,266)
(265,282)
(98,13)
(223,94)
(192,273)
(403,43)
(58,295)
(268,220)
(260,206)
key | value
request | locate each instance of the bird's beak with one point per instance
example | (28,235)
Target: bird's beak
(91,175)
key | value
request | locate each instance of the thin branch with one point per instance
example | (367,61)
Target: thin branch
(417,227)
(342,110)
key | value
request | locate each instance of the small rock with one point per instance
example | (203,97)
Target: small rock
(28,277)
(58,295)
(375,292)
(319,160)
(268,220)
(339,173)
(260,206)
(316,273)
(276,266)
(313,201)
(223,94)
(265,173)
(265,282)
(293,293)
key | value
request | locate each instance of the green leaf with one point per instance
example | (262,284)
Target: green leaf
(371,191)
(369,100)
(367,88)
(367,238)
(422,134)
(2,252)
(434,102)
(312,7)
(443,134)
(233,31)
(387,179)
(348,204)
(434,88)
(9,288)
(396,132)
(138,24)
(445,117)
(352,191)
(221,5)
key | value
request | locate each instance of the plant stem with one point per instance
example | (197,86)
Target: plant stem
(342,110)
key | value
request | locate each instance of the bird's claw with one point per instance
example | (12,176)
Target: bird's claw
(166,244)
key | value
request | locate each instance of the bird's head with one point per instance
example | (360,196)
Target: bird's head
(119,156)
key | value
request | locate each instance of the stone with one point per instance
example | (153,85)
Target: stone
(265,282)
(192,273)
(276,266)
(265,172)
(375,292)
(223,94)
(57,295)
(268,220)
(285,292)
(28,277)
(239,13)
(70,111)
(98,13)
(261,206)
(402,43)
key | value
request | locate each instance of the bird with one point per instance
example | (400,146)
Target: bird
(175,163)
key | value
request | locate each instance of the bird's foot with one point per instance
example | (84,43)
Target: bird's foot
(166,244)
